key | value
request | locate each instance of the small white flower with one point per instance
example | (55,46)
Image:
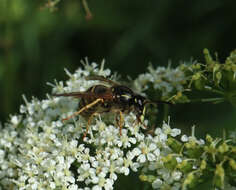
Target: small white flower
(175,132)
(176,175)
(107,184)
(85,171)
(125,141)
(157,184)
(52,185)
(146,152)
(160,136)
(128,163)
(178,159)
(164,173)
(73,187)
(15,120)
(184,138)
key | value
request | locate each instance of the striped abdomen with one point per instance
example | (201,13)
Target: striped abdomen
(98,91)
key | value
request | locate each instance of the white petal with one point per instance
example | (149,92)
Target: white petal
(96,187)
(175,132)
(157,152)
(141,158)
(95,179)
(151,157)
(132,140)
(73,187)
(136,151)
(152,146)
(184,138)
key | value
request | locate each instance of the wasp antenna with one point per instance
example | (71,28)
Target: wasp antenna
(148,102)
(158,102)
(162,102)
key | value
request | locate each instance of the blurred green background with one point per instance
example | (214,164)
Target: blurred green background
(36,45)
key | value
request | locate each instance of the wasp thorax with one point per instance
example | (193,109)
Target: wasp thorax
(123,94)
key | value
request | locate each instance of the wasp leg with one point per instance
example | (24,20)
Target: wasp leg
(84,108)
(138,121)
(88,124)
(120,121)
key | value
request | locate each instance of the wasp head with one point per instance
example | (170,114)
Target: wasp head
(139,102)
(139,106)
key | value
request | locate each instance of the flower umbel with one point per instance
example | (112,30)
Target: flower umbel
(39,151)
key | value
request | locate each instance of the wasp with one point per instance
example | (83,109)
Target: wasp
(115,98)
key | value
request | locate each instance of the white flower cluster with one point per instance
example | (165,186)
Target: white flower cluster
(39,151)
(167,80)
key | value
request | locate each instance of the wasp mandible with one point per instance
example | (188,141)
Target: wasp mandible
(116,98)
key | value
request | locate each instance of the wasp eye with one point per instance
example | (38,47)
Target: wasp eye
(140,102)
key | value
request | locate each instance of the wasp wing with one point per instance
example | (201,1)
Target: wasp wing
(86,95)
(77,94)
(102,78)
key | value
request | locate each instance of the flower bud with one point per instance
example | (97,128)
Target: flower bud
(174,144)
(170,161)
(203,165)
(219,176)
(232,163)
(185,166)
(223,148)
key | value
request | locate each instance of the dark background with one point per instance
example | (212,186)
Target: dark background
(36,45)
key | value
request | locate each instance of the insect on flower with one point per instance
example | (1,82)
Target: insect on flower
(115,98)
